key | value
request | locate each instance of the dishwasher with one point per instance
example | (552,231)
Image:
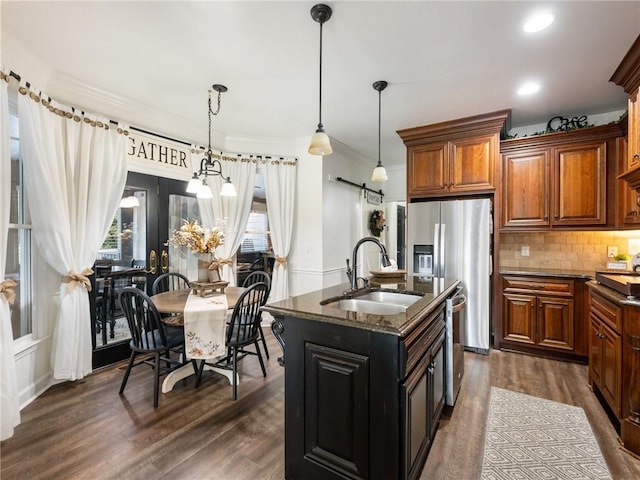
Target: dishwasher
(454,348)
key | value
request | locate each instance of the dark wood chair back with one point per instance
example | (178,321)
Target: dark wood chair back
(169,281)
(244,326)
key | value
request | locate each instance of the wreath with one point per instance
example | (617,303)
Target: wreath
(376,222)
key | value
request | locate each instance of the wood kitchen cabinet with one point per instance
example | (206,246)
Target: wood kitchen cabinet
(560,180)
(614,360)
(457,157)
(627,75)
(457,166)
(543,315)
(605,350)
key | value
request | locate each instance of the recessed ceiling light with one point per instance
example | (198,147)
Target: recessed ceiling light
(528,88)
(538,22)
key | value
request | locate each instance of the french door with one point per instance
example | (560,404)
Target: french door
(134,253)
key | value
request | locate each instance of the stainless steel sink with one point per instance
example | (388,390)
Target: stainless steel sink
(367,306)
(405,299)
(374,302)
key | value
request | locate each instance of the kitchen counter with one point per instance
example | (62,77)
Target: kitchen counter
(612,295)
(308,306)
(547,272)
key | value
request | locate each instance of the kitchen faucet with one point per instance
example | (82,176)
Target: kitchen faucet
(352,270)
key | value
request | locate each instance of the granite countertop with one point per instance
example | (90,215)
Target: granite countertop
(611,294)
(433,291)
(548,272)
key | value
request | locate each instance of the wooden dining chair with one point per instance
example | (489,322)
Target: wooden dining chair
(242,331)
(256,277)
(150,337)
(169,281)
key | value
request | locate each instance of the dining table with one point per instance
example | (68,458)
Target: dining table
(174,302)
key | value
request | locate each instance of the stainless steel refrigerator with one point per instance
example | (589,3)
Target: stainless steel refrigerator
(452,238)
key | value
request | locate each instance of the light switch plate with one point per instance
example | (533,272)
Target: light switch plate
(524,250)
(612,251)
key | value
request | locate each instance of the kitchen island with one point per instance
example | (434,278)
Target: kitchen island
(363,392)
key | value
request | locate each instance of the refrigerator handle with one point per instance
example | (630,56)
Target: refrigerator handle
(436,250)
(443,228)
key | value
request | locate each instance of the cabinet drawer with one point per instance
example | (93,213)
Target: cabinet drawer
(606,311)
(559,287)
(420,339)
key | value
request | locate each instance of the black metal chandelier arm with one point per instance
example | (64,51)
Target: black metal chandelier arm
(208,167)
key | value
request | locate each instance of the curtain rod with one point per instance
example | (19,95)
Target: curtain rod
(131,127)
(362,187)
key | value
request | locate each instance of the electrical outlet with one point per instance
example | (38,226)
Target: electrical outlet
(524,251)
(612,251)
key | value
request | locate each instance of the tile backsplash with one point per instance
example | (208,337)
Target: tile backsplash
(563,250)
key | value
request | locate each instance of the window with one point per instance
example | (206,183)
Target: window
(18,266)
(256,237)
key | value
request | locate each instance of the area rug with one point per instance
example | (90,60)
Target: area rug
(534,438)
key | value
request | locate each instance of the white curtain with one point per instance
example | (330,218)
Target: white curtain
(75,171)
(9,406)
(280,187)
(231,212)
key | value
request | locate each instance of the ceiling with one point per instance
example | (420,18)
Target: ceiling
(443,60)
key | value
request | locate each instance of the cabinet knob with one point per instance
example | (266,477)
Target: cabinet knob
(546,217)
(636,156)
(556,216)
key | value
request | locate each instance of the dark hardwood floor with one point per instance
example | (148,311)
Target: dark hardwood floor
(85,429)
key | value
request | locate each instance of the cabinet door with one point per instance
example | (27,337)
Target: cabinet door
(555,321)
(519,318)
(633,117)
(415,399)
(525,189)
(437,383)
(472,164)
(629,198)
(595,351)
(428,169)
(611,373)
(579,196)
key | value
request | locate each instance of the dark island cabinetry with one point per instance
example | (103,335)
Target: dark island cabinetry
(362,401)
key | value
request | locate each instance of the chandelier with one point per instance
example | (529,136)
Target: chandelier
(210,166)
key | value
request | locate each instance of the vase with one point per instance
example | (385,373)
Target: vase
(205,273)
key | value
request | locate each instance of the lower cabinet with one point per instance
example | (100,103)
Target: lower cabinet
(361,404)
(543,314)
(605,350)
(423,398)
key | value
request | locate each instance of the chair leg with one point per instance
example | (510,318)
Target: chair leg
(127,372)
(264,341)
(264,372)
(235,372)
(156,382)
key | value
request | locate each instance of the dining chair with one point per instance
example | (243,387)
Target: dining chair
(256,277)
(139,281)
(242,331)
(168,282)
(150,337)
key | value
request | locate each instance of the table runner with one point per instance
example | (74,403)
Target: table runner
(205,320)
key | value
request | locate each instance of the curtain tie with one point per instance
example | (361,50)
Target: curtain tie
(74,279)
(219,263)
(281,261)
(6,288)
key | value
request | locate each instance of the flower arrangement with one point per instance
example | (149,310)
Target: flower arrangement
(199,239)
(376,222)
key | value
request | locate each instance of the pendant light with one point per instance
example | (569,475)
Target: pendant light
(320,144)
(379,173)
(210,166)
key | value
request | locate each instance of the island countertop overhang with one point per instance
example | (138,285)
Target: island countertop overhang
(433,291)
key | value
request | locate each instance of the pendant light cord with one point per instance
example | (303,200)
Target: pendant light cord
(320,82)
(379,122)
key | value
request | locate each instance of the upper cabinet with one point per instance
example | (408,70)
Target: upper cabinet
(560,180)
(457,157)
(627,75)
